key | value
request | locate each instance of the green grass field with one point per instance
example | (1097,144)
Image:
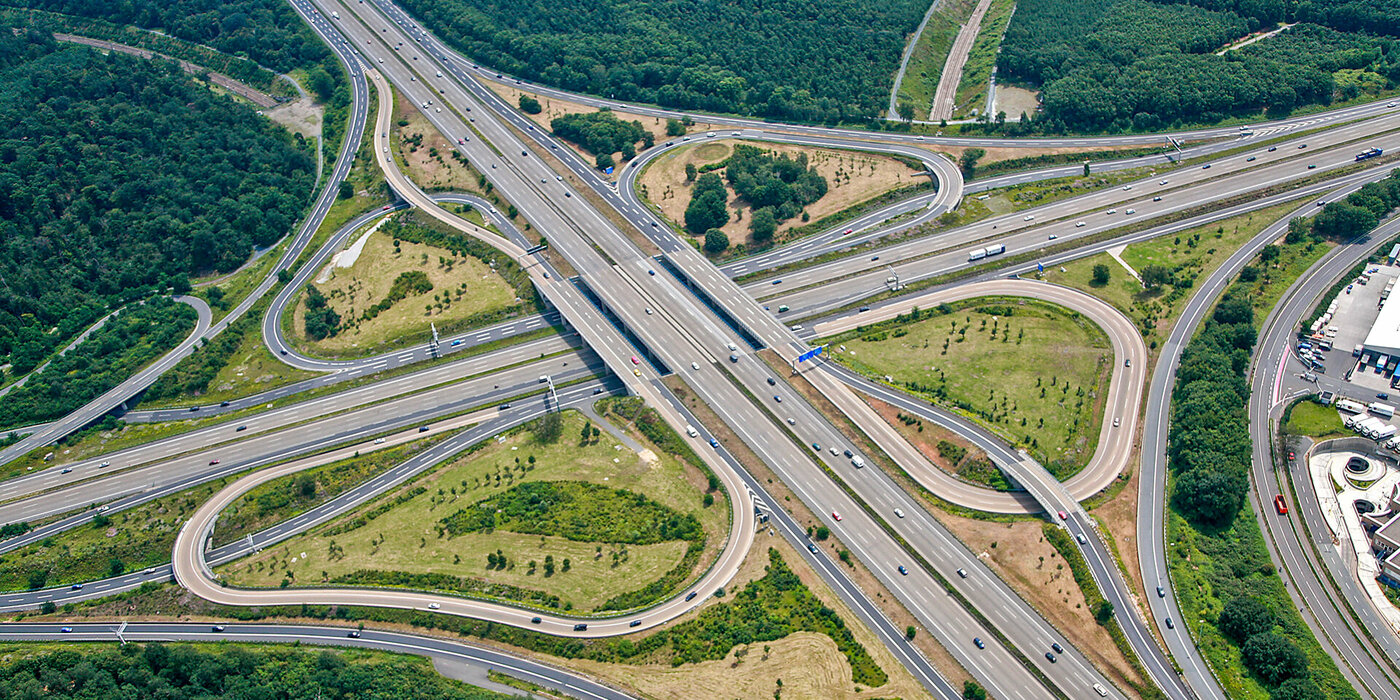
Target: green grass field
(1036,377)
(406,537)
(1192,255)
(1314,420)
(977,72)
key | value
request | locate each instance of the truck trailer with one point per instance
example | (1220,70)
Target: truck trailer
(1350,406)
(1381,409)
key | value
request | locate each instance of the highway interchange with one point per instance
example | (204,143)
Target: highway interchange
(675,309)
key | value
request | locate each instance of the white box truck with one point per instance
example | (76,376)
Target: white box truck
(995,249)
(1381,409)
(1386,432)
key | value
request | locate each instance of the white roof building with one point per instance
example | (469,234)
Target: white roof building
(1384,338)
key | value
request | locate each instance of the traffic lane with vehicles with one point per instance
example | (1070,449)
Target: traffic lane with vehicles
(1361,649)
(172,460)
(834,295)
(474,428)
(1072,218)
(630,316)
(453,651)
(93,411)
(1115,442)
(1165,184)
(274,418)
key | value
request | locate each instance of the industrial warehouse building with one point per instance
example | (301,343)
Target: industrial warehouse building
(1382,344)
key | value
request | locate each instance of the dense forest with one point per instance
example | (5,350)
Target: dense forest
(1125,64)
(266,31)
(177,671)
(128,341)
(789,59)
(121,176)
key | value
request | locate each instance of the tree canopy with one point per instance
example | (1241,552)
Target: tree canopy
(1121,64)
(267,31)
(789,59)
(178,671)
(120,176)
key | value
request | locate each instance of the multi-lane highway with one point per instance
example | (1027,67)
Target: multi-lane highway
(644,318)
(1332,603)
(452,651)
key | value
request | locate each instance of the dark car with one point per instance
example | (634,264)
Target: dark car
(903,570)
(690,596)
(218,628)
(354,634)
(1273,148)
(240,429)
(1056,646)
(811,548)
(772,382)
(979,643)
(634,623)
(580,627)
(535,620)
(1161,592)
(422,428)
(76,587)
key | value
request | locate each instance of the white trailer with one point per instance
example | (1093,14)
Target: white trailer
(1350,406)
(977,254)
(1381,409)
(1386,432)
(995,249)
(1367,426)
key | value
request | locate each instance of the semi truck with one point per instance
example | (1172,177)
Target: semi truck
(1368,153)
(986,252)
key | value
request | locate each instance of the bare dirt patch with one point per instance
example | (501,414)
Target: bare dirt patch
(1014,100)
(299,116)
(852,177)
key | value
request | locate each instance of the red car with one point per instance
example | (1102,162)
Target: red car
(849,231)
(836,515)
(1280,505)
(213,462)
(1063,516)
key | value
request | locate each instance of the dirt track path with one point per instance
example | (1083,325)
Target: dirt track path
(952,68)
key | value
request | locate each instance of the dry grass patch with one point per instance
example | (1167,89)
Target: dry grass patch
(473,288)
(1020,555)
(853,177)
(427,155)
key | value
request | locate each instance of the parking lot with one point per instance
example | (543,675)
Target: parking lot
(1357,308)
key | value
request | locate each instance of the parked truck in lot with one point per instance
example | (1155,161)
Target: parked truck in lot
(1368,153)
(1350,406)
(1385,433)
(1381,409)
(1370,427)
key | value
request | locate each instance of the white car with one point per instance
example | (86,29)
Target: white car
(1130,212)
(1127,187)
(1079,224)
(434,606)
(1028,217)
(695,365)
(1164,182)
(1112,211)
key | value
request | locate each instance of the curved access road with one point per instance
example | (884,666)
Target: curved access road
(1115,444)
(455,651)
(116,396)
(138,383)
(1322,586)
(192,572)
